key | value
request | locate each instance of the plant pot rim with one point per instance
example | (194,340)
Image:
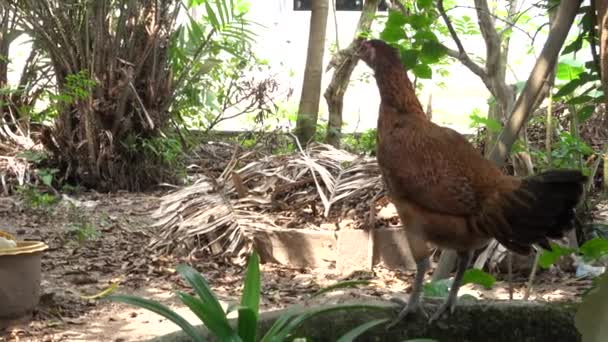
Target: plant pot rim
(25,247)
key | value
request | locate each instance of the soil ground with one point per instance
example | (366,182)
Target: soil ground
(96,240)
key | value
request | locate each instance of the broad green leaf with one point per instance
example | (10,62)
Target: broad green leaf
(396,18)
(568,69)
(579,99)
(418,21)
(423,71)
(592,315)
(356,332)
(548,258)
(424,3)
(409,58)
(585,113)
(594,249)
(432,51)
(392,33)
(569,87)
(576,45)
(479,277)
(217,324)
(341,285)
(423,36)
(162,310)
(439,288)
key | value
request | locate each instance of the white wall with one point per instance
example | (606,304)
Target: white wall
(284,43)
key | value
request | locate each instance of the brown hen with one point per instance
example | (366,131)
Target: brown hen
(446,193)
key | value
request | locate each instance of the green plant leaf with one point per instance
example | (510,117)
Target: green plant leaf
(280,324)
(248,324)
(396,18)
(409,58)
(357,331)
(548,258)
(217,324)
(160,309)
(202,289)
(585,112)
(568,69)
(479,277)
(297,321)
(341,285)
(432,51)
(569,87)
(392,33)
(423,71)
(424,3)
(438,288)
(250,299)
(418,21)
(594,249)
(576,45)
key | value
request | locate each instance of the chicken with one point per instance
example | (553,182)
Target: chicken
(447,194)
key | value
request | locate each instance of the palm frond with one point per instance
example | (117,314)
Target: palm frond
(212,212)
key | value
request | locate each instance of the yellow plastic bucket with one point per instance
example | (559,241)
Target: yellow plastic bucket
(20,269)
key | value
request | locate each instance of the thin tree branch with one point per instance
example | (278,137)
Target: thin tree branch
(461,54)
(544,65)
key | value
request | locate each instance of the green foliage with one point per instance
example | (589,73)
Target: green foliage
(35,199)
(548,258)
(479,277)
(591,250)
(579,82)
(167,150)
(212,61)
(363,143)
(441,288)
(414,36)
(83,231)
(209,310)
(477,121)
(565,153)
(594,249)
(77,86)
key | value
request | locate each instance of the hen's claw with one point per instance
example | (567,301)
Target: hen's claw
(408,308)
(447,306)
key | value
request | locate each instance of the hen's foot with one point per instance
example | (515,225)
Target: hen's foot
(408,308)
(447,306)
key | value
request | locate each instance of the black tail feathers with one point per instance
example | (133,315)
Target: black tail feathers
(543,207)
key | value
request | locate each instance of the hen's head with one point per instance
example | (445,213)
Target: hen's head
(375,52)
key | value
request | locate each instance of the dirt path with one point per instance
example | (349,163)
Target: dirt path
(96,240)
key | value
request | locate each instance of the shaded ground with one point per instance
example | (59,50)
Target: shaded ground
(96,240)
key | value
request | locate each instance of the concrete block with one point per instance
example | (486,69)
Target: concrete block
(392,249)
(296,247)
(355,250)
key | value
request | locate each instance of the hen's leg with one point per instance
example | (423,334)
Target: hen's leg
(464,258)
(413,303)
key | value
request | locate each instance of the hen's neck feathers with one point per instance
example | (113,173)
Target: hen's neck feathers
(396,90)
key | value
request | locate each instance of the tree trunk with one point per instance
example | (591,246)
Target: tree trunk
(344,61)
(308,111)
(602,24)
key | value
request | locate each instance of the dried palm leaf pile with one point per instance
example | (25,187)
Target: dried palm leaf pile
(316,188)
